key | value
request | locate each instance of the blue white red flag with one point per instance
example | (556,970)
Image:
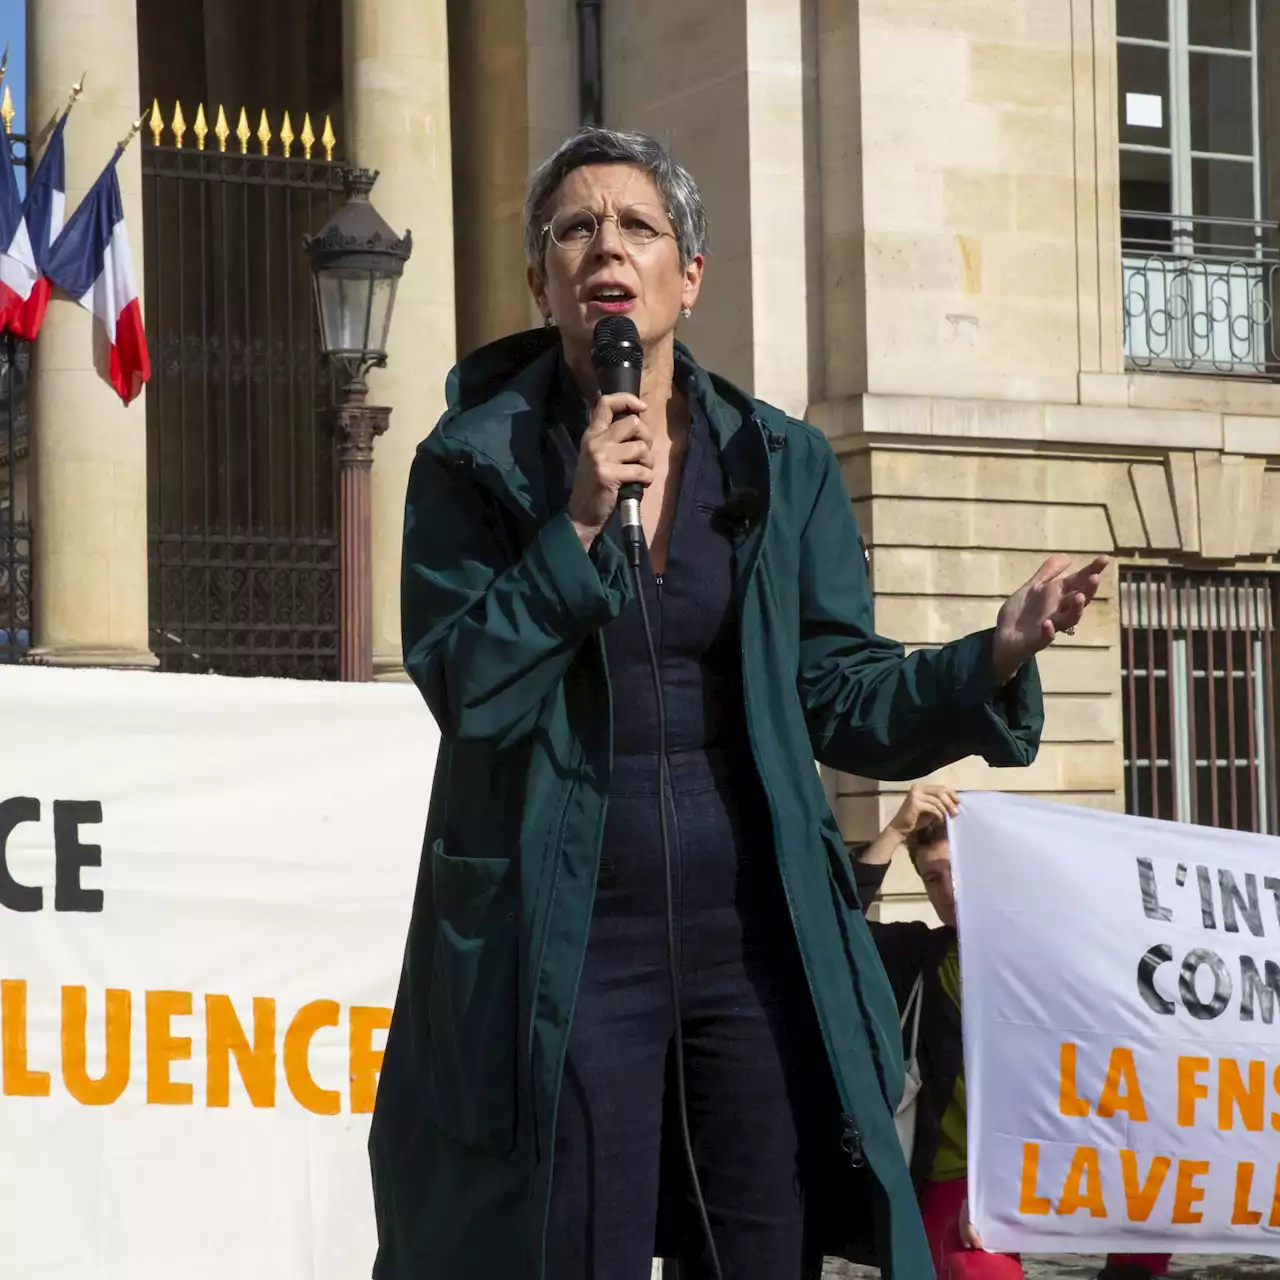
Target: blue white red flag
(18,270)
(45,210)
(92,262)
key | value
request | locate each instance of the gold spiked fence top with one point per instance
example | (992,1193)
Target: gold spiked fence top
(178,128)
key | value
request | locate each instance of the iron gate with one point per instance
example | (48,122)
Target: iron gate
(15,521)
(15,525)
(242,484)
(1199,698)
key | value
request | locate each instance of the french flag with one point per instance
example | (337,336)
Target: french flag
(91,261)
(18,270)
(45,212)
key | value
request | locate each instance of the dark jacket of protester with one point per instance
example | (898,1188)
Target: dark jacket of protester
(502,611)
(909,948)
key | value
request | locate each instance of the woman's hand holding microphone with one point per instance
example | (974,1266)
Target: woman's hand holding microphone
(614,451)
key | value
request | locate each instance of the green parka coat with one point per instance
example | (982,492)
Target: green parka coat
(502,610)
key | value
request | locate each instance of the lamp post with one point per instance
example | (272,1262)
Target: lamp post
(356,263)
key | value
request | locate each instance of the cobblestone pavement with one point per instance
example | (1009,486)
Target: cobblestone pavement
(1079,1267)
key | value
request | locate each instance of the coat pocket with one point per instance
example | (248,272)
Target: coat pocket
(473,999)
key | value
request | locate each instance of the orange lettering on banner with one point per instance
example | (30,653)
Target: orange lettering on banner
(1241,1214)
(257,1053)
(1186,1193)
(1140,1200)
(114,1079)
(1232,1093)
(164,1048)
(19,1080)
(1069,1102)
(1275,1202)
(366,1061)
(1190,1090)
(297,1048)
(1083,1186)
(225,1038)
(1121,1070)
(1028,1201)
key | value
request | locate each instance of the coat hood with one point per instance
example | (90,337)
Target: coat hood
(490,392)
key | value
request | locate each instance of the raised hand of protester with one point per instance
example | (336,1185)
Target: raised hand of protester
(1053,600)
(926,801)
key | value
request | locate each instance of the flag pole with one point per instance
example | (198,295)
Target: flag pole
(129,137)
(37,144)
(6,106)
(76,90)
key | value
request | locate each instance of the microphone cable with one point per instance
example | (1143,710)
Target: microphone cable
(682,1100)
(617,355)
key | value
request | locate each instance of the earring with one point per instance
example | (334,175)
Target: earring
(548,322)
(686,312)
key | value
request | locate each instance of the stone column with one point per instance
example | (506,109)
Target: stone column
(725,84)
(396,79)
(90,451)
(514,74)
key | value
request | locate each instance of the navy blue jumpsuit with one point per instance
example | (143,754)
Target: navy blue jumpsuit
(748,1026)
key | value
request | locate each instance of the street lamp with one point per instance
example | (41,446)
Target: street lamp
(356,263)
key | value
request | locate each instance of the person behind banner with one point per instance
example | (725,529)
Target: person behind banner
(915,953)
(526,1123)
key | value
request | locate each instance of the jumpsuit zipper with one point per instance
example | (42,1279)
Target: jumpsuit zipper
(666,791)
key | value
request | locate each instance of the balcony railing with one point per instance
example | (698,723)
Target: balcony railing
(1199,294)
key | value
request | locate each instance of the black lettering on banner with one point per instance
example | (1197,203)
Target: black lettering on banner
(1151,907)
(1147,966)
(1252,984)
(1272,885)
(1206,898)
(1242,907)
(1187,984)
(1246,903)
(15,896)
(71,857)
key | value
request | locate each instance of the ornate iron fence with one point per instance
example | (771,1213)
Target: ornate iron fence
(1199,294)
(15,525)
(242,486)
(15,521)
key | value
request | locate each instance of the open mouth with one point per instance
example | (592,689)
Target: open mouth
(611,297)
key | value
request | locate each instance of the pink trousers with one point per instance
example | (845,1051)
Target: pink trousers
(940,1206)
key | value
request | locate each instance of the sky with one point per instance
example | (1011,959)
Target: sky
(13,28)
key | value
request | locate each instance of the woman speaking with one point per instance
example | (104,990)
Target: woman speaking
(639,1010)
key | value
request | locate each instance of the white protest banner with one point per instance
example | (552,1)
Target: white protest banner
(205,888)
(1121,989)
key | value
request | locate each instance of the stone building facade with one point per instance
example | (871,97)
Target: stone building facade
(917,242)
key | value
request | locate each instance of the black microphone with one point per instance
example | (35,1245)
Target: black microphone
(617,356)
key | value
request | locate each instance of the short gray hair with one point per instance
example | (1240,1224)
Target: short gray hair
(594,145)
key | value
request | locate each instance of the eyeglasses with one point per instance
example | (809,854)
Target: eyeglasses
(639,225)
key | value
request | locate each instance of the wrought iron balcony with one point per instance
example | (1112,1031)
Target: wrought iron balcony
(1199,294)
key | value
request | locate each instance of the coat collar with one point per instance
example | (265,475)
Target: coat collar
(504,397)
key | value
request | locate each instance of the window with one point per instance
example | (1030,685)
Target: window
(1199,256)
(1199,701)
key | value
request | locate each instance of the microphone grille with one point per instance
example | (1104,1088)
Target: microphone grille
(616,341)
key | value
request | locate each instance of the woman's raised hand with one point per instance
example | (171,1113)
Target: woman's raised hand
(1052,600)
